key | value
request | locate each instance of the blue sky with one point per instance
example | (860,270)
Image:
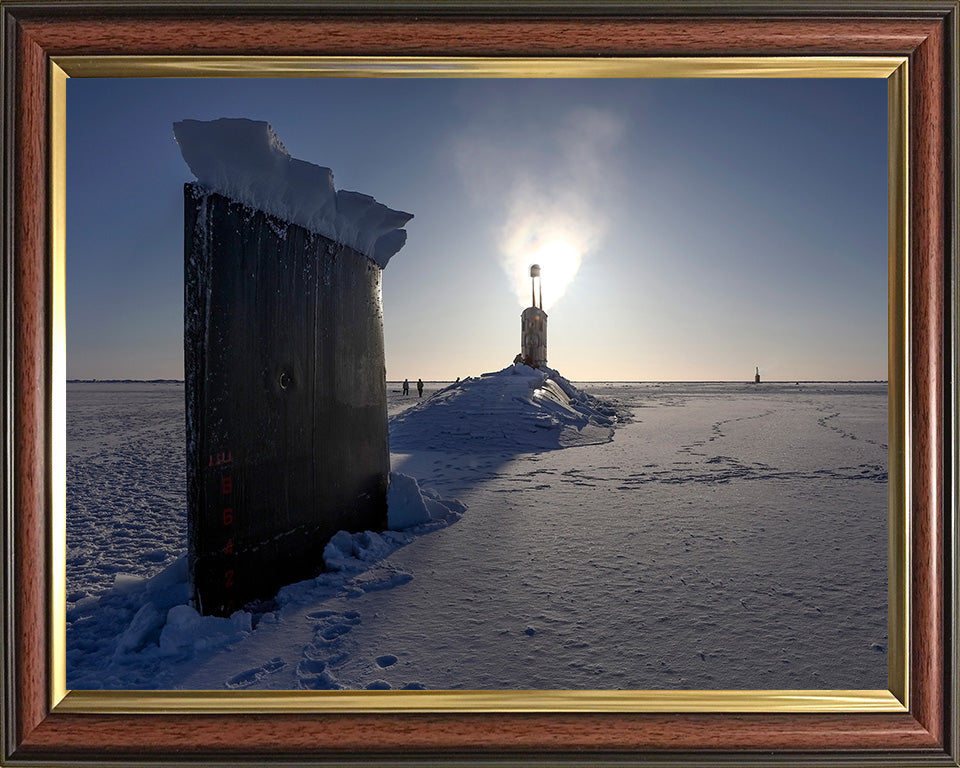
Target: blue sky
(719,224)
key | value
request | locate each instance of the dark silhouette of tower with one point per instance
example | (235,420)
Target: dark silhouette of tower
(533,326)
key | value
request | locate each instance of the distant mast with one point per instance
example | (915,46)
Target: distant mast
(756,378)
(533,326)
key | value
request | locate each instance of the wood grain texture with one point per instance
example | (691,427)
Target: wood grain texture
(29,382)
(488,37)
(919,734)
(928,355)
(531,734)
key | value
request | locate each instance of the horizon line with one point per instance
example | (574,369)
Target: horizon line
(581,381)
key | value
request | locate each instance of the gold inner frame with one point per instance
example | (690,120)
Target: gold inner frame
(895,699)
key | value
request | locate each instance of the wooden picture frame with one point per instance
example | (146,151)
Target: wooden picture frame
(36,730)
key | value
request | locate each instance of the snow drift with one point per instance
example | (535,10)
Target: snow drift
(518,409)
(245,161)
(143,633)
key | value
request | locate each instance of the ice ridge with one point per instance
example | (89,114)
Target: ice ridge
(516,410)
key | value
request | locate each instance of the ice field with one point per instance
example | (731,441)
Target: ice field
(713,536)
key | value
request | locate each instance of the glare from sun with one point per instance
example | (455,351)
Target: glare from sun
(559,259)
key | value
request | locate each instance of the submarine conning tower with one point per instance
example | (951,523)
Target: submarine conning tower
(284,386)
(533,326)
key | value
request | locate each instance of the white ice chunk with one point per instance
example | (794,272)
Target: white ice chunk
(405,504)
(186,630)
(148,620)
(244,160)
(126,582)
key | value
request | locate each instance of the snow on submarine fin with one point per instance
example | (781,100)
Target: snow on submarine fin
(244,160)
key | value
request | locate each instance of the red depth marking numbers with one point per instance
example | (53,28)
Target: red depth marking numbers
(223,460)
(216,459)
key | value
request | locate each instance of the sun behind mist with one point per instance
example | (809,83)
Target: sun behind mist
(559,261)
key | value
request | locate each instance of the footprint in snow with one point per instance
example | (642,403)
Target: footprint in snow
(383,662)
(314,669)
(251,676)
(312,675)
(376,580)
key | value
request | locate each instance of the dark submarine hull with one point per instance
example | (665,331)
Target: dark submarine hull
(285,398)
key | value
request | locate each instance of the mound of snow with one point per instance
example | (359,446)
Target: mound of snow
(126,636)
(187,631)
(354,551)
(410,510)
(519,409)
(245,161)
(143,633)
(409,505)
(147,623)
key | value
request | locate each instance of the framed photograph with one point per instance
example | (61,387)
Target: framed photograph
(741,710)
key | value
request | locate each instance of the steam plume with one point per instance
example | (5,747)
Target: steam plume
(548,189)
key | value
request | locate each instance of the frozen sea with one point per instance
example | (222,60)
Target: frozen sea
(719,536)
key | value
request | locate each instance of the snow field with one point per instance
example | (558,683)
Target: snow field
(126,469)
(727,537)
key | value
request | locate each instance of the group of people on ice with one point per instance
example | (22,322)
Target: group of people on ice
(406,387)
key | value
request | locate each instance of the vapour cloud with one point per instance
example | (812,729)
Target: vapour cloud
(546,188)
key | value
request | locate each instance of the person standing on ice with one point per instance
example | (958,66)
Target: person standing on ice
(406,387)
(419,387)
